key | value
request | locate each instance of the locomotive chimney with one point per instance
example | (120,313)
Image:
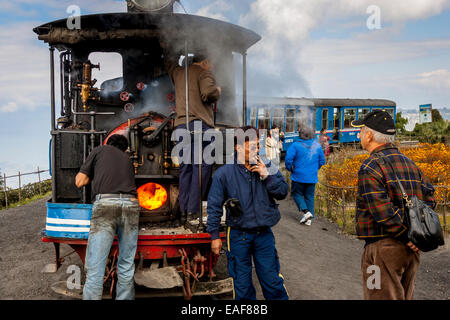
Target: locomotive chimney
(159,6)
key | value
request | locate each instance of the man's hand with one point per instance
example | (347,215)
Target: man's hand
(413,247)
(261,168)
(81,180)
(216,245)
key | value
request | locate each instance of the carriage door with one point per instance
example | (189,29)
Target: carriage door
(336,122)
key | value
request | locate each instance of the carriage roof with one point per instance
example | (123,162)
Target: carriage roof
(353,103)
(281,101)
(144,26)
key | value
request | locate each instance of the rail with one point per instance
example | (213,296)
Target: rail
(5,199)
(339,205)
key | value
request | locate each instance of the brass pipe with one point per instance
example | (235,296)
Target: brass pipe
(87,84)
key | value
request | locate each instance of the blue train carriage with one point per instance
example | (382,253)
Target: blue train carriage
(288,114)
(336,115)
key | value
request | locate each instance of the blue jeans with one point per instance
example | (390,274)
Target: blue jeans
(242,247)
(303,194)
(111,216)
(188,188)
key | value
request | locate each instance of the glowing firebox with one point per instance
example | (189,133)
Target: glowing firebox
(152,196)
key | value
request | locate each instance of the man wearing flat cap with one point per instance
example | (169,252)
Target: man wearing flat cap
(390,260)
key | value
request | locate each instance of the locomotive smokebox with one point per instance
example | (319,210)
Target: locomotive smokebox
(152,6)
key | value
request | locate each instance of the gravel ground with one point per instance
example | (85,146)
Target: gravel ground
(317,262)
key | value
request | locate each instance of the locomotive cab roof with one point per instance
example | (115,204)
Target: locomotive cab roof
(171,27)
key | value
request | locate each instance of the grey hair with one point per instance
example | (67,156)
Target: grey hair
(306,133)
(381,137)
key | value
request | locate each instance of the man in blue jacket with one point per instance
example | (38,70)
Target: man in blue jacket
(249,231)
(304,159)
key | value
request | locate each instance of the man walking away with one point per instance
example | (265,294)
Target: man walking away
(247,182)
(115,210)
(304,159)
(380,217)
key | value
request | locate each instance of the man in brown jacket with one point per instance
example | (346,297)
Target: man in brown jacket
(203,92)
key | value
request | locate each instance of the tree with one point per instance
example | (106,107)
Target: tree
(433,132)
(400,123)
(436,115)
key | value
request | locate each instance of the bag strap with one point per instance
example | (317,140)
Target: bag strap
(383,159)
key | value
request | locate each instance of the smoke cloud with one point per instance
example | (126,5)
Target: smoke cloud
(276,64)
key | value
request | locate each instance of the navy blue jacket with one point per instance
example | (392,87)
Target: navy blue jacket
(257,198)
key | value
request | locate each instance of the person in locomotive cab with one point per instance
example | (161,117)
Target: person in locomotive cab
(203,93)
(115,210)
(248,191)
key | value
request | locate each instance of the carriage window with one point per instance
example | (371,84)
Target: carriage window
(263,118)
(253,117)
(278,117)
(362,112)
(290,120)
(390,111)
(349,116)
(110,75)
(325,119)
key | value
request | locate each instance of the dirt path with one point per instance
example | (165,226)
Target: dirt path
(317,262)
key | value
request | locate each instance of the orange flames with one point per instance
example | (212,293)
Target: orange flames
(151,196)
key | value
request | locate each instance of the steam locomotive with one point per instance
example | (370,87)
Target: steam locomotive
(138,103)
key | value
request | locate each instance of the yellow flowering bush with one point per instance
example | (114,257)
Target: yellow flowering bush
(432,159)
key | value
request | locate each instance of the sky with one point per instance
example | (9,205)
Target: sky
(397,50)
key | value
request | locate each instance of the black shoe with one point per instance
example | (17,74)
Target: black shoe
(192,215)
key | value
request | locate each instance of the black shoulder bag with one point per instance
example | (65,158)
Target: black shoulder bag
(234,207)
(424,227)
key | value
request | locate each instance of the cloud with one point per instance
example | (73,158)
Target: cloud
(24,81)
(331,55)
(215,10)
(24,61)
(437,79)
(283,62)
(9,107)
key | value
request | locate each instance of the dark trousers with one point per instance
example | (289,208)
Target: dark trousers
(398,266)
(189,175)
(303,194)
(242,247)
